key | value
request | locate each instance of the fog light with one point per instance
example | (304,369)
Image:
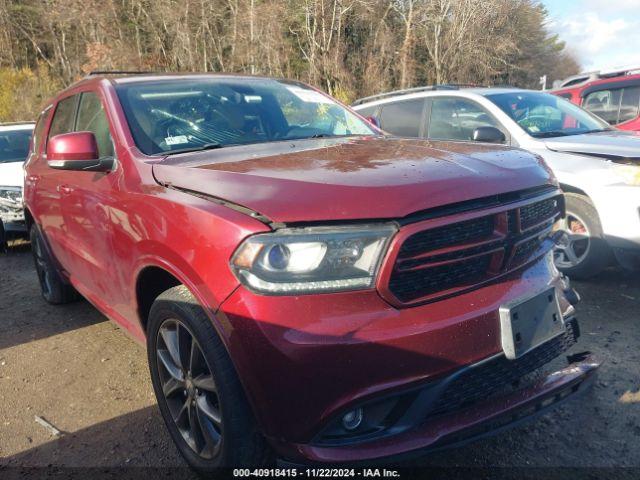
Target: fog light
(352,420)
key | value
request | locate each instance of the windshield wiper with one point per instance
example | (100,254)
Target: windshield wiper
(553,133)
(199,148)
(564,133)
(598,130)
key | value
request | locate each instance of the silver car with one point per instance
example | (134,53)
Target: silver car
(597,166)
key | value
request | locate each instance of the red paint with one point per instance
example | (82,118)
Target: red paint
(300,358)
(578,93)
(72,146)
(352,179)
(578,376)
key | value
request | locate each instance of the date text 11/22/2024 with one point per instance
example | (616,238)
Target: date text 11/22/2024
(316,472)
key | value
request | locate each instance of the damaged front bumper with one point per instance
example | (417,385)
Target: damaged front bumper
(455,429)
(12,209)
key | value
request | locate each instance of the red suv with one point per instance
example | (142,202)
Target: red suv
(308,288)
(615,100)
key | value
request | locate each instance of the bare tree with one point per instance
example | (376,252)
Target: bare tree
(347,47)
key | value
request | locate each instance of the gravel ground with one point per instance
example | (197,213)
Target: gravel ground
(81,373)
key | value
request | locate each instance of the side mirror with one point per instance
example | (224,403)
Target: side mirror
(488,135)
(76,151)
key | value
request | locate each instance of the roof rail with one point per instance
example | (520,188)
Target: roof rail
(118,72)
(427,88)
(584,77)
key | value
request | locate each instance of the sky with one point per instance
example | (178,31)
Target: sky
(602,33)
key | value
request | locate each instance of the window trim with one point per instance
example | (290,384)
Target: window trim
(507,134)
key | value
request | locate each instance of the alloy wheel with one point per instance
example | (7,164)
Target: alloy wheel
(189,388)
(575,248)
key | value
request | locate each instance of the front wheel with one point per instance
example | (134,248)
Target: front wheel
(198,391)
(585,252)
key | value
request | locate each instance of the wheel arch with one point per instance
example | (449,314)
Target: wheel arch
(155,275)
(151,282)
(572,189)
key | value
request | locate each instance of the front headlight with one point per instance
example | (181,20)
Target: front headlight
(630,174)
(10,203)
(314,259)
(11,194)
(11,197)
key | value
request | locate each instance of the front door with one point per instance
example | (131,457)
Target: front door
(87,201)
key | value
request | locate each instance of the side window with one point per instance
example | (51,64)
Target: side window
(63,117)
(91,118)
(402,118)
(605,104)
(456,119)
(37,132)
(630,104)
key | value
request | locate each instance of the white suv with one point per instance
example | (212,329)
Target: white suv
(597,166)
(14,148)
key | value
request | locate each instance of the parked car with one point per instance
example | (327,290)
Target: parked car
(14,148)
(306,287)
(614,99)
(598,167)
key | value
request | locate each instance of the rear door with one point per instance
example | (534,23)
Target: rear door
(404,118)
(45,182)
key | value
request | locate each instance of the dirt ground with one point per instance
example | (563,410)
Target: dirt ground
(81,373)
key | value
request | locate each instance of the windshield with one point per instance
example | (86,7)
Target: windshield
(546,115)
(14,145)
(193,114)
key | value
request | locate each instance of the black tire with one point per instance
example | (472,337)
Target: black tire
(598,254)
(53,287)
(3,239)
(241,443)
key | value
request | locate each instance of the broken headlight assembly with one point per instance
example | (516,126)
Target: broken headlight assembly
(629,174)
(315,259)
(11,204)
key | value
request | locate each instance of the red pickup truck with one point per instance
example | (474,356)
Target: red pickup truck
(308,287)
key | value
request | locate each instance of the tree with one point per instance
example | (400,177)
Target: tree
(349,48)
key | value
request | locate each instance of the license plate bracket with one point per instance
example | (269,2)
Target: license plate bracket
(528,322)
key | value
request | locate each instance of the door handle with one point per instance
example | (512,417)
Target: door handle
(64,189)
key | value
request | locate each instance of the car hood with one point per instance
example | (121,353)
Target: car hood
(352,178)
(11,174)
(613,145)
